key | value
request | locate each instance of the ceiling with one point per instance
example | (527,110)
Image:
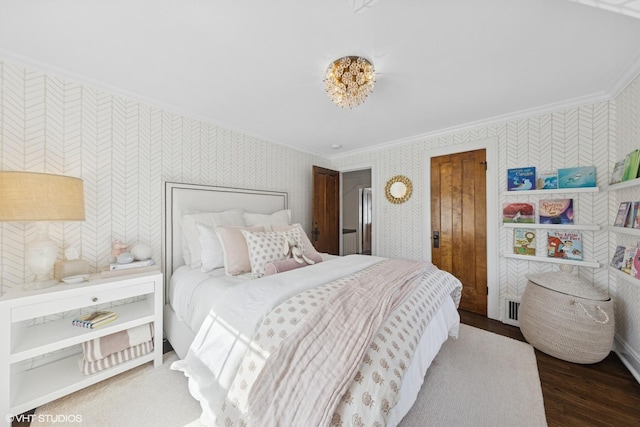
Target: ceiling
(257,66)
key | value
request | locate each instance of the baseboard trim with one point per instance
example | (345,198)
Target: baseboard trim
(628,356)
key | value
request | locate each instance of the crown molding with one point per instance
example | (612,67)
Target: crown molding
(626,77)
(517,115)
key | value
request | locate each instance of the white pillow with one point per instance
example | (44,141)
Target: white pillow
(267,220)
(186,253)
(212,254)
(234,248)
(266,247)
(188,220)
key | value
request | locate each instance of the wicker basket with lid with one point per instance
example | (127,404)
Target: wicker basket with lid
(567,318)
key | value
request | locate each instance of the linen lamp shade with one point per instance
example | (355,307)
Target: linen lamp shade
(40,198)
(30,196)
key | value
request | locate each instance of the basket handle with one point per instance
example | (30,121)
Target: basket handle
(598,308)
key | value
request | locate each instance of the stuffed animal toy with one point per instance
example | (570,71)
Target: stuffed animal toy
(292,250)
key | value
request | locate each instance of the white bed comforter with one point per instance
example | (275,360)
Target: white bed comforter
(228,332)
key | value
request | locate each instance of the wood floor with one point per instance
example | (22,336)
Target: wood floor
(602,394)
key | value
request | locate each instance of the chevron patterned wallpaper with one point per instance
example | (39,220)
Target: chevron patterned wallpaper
(627,296)
(587,135)
(124,150)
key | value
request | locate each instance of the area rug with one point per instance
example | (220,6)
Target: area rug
(480,379)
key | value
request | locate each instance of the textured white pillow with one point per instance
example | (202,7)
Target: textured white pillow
(234,247)
(266,247)
(212,254)
(188,221)
(267,220)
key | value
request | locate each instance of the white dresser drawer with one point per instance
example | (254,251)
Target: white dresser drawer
(61,301)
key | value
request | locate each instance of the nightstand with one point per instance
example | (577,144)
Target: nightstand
(39,359)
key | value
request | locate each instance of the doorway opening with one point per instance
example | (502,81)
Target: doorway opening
(357,212)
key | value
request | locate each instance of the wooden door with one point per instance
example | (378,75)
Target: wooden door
(458,223)
(325,233)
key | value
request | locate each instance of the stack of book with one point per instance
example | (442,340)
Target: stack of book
(95,319)
(114,266)
(118,269)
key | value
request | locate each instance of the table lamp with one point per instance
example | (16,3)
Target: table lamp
(40,198)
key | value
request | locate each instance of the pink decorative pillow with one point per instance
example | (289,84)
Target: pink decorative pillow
(268,246)
(283,265)
(234,247)
(309,250)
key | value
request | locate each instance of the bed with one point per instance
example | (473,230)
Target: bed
(223,327)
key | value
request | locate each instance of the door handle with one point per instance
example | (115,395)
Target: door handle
(436,239)
(315,233)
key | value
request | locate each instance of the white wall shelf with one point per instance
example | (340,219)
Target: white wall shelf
(585,263)
(624,184)
(624,230)
(591,227)
(558,191)
(625,276)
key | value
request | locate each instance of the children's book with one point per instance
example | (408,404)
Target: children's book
(524,241)
(633,214)
(627,260)
(631,163)
(519,179)
(618,170)
(518,213)
(635,266)
(564,244)
(621,216)
(583,176)
(556,211)
(618,256)
(636,215)
(547,180)
(95,319)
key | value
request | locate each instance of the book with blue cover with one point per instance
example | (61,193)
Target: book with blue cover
(618,256)
(582,176)
(519,179)
(547,180)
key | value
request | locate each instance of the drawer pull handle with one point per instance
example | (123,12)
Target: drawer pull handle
(94,299)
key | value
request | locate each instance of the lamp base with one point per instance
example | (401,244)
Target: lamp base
(41,255)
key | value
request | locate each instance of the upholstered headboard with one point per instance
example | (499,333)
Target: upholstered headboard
(205,198)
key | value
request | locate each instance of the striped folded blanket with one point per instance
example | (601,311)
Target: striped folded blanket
(99,348)
(116,358)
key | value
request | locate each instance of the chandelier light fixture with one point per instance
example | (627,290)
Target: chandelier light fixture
(349,80)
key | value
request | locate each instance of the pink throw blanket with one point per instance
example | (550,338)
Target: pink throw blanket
(303,380)
(99,348)
(116,358)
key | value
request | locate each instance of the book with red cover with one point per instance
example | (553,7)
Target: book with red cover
(518,213)
(565,244)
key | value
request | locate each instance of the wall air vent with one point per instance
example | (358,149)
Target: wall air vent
(512,307)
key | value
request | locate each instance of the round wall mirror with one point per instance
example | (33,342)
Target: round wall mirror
(398,189)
